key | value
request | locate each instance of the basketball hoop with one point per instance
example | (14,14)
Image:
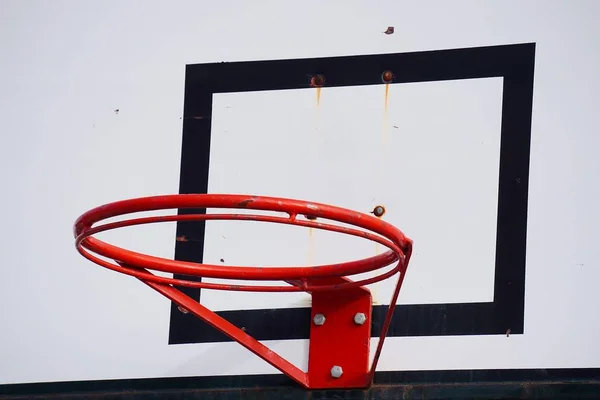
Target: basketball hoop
(340,306)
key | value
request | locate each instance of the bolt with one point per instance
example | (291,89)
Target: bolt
(317,81)
(319,319)
(183,310)
(360,318)
(336,371)
(387,76)
(378,211)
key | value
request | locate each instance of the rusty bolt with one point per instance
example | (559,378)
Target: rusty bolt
(379,211)
(319,319)
(317,81)
(336,371)
(360,318)
(387,76)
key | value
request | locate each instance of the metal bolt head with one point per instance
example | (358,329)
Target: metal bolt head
(360,318)
(378,211)
(319,319)
(387,76)
(336,371)
(317,81)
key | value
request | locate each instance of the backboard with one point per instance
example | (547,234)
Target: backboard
(467,147)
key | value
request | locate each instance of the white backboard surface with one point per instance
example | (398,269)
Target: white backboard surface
(92,111)
(348,150)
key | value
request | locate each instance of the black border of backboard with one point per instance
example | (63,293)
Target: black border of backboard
(514,63)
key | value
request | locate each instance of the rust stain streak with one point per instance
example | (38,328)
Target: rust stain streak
(317,140)
(387,92)
(186,239)
(383,159)
(311,247)
(386,126)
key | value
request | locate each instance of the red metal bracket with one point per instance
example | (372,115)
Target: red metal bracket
(340,334)
(339,341)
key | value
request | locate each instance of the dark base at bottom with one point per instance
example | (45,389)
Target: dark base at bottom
(471,384)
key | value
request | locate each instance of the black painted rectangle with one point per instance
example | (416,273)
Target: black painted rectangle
(514,63)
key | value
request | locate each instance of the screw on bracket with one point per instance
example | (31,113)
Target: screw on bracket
(336,371)
(360,318)
(319,319)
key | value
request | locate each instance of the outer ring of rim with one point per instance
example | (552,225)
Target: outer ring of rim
(301,278)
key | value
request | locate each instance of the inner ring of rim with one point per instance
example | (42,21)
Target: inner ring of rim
(391,238)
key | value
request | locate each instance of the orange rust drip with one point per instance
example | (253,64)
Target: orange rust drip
(386,121)
(311,240)
(386,125)
(317,138)
(382,160)
(377,245)
(387,92)
(311,247)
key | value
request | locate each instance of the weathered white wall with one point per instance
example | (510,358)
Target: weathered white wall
(66,66)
